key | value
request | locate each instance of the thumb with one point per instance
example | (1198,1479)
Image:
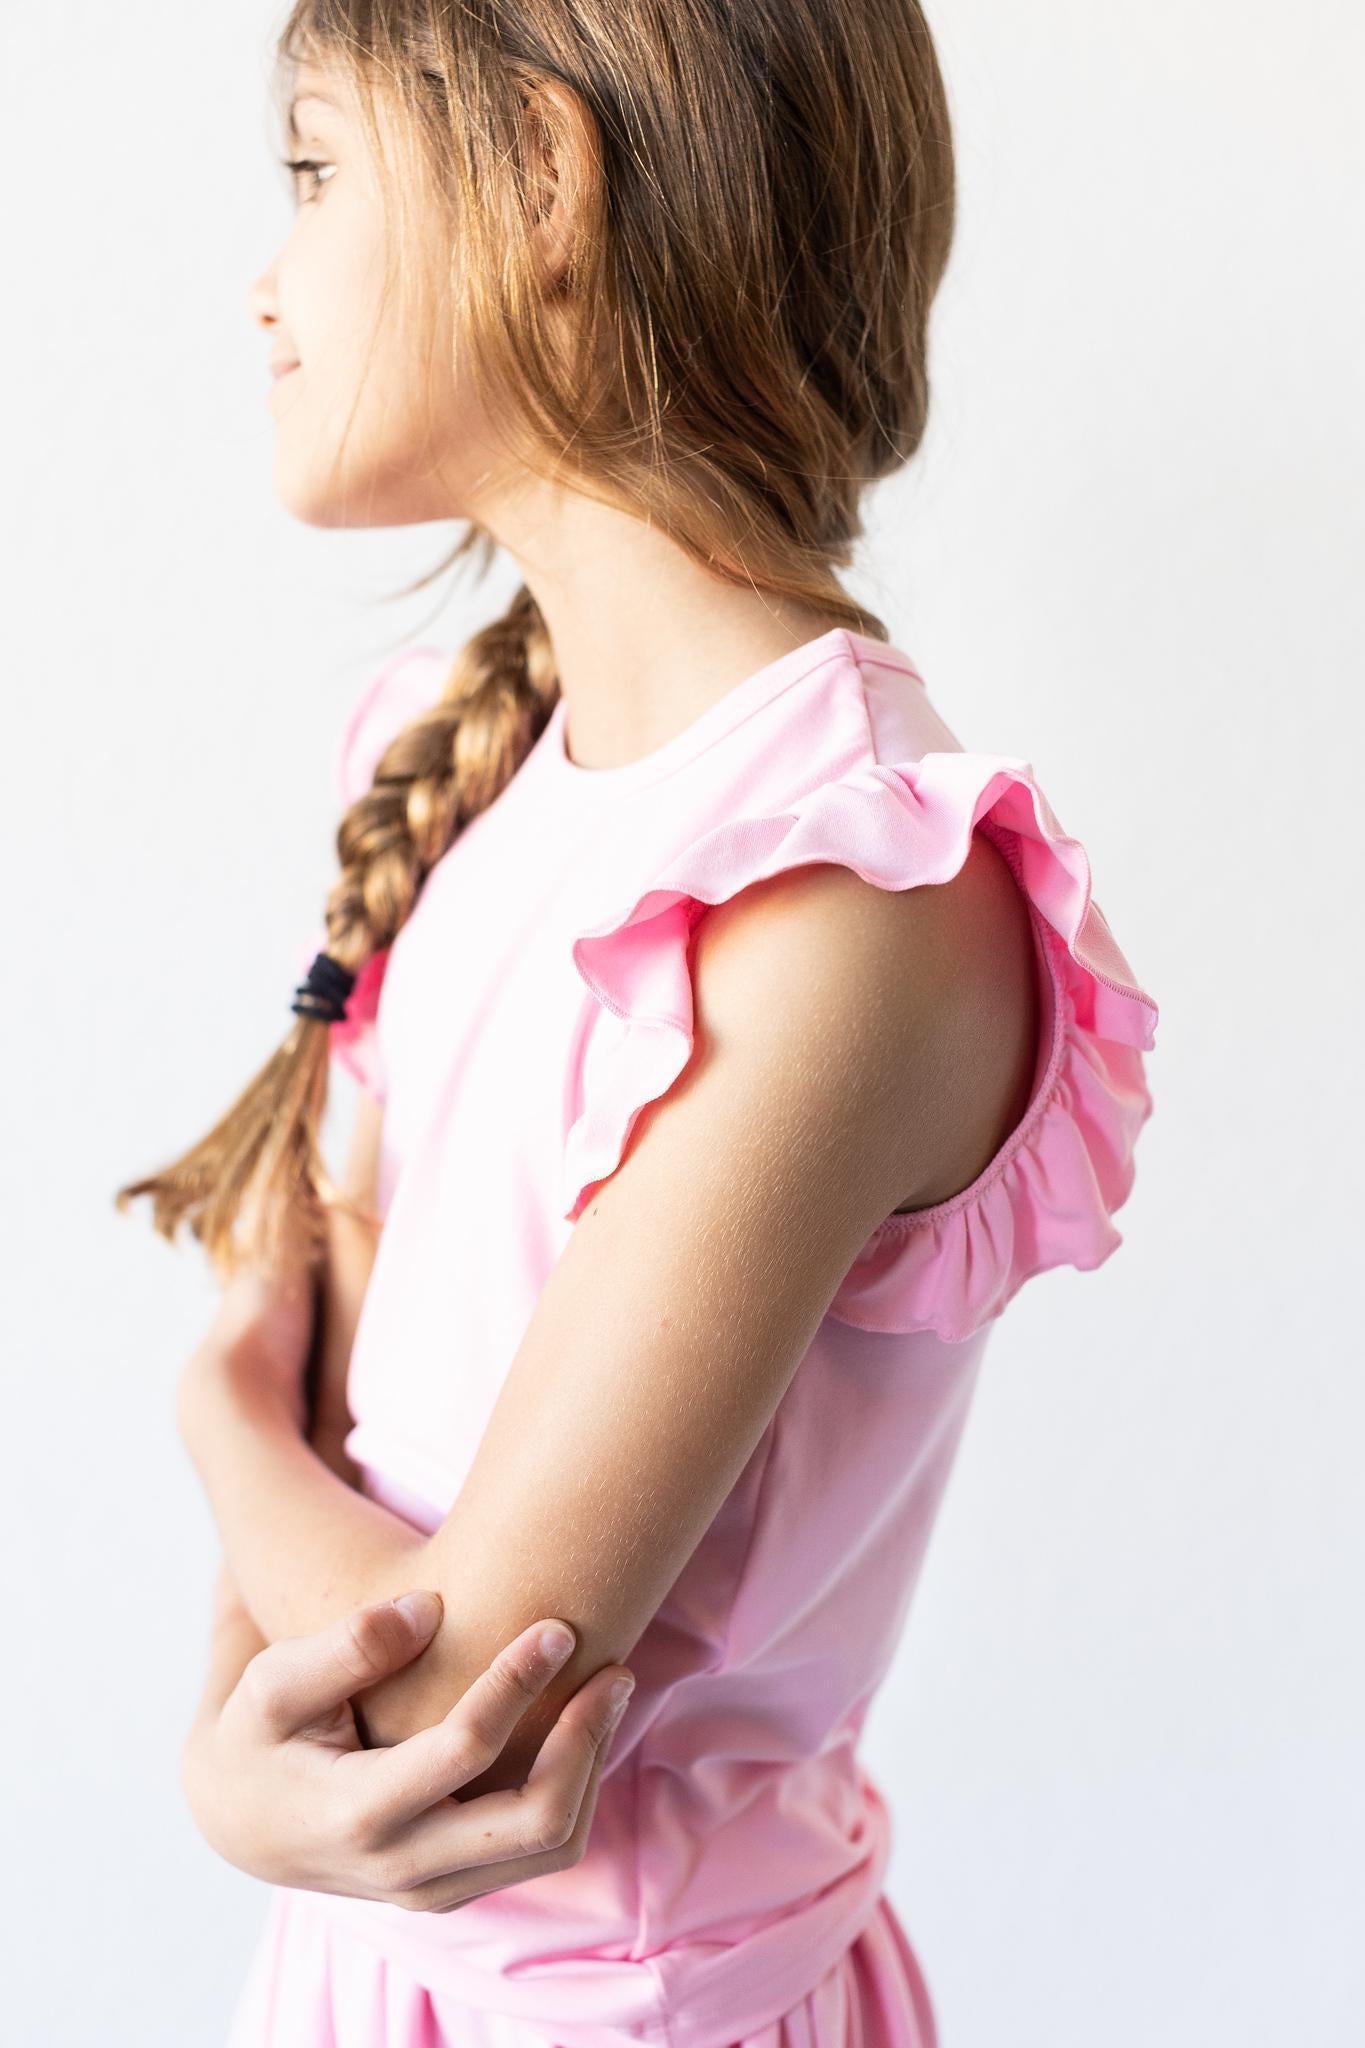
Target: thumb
(302,1679)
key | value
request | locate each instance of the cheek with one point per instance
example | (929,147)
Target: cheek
(369,374)
(345,288)
(330,281)
(391,370)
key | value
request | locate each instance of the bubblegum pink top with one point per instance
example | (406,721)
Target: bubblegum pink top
(538,996)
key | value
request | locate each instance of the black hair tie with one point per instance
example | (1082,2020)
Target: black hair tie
(323,994)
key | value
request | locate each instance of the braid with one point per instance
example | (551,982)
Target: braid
(449,763)
(445,766)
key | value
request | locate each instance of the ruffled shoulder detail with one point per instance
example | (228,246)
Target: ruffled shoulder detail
(405,685)
(1048,1197)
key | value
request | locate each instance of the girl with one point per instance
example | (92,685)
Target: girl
(734,1044)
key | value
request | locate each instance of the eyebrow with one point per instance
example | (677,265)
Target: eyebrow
(302,99)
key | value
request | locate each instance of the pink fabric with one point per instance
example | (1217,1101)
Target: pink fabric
(313,1988)
(536,999)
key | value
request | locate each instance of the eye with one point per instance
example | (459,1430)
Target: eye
(305,167)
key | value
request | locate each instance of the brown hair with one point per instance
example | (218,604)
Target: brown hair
(761,224)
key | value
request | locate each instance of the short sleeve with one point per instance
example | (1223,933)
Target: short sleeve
(1049,1195)
(402,687)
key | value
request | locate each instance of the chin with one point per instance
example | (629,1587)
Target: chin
(316,502)
(354,501)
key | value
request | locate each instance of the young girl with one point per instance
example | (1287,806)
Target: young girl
(734,1045)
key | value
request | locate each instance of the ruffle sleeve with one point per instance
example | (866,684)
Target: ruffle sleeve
(1049,1195)
(402,687)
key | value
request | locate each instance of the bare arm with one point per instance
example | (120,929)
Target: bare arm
(234,1640)
(351,1245)
(678,1309)
(249,1764)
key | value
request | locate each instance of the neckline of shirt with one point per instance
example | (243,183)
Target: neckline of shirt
(750,694)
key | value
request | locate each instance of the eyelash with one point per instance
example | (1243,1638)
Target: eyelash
(295,164)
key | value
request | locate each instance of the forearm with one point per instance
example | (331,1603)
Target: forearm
(234,1640)
(342,1282)
(302,1543)
(304,1548)
(340,1290)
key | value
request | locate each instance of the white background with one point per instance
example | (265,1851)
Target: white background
(1123,1738)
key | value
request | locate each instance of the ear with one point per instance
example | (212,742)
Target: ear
(563,169)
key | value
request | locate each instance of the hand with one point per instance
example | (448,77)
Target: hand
(279,1785)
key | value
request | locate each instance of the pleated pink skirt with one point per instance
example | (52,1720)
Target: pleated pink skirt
(309,1986)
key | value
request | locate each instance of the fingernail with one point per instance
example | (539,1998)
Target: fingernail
(555,1643)
(421,1611)
(621,1690)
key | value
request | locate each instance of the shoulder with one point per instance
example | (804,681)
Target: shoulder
(904,963)
(908,1015)
(833,920)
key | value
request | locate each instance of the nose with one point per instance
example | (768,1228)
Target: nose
(260,300)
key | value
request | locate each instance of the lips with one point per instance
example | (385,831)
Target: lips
(278,370)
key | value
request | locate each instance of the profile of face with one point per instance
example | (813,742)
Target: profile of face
(371,426)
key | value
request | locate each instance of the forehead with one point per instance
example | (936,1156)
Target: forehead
(306,103)
(314,94)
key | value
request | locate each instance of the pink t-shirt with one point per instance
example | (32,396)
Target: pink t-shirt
(536,999)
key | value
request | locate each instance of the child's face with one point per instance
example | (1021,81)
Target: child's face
(319,302)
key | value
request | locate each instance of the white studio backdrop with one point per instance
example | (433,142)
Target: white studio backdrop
(1122,1741)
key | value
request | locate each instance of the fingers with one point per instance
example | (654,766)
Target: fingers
(573,1753)
(401,1782)
(456,1853)
(302,1679)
